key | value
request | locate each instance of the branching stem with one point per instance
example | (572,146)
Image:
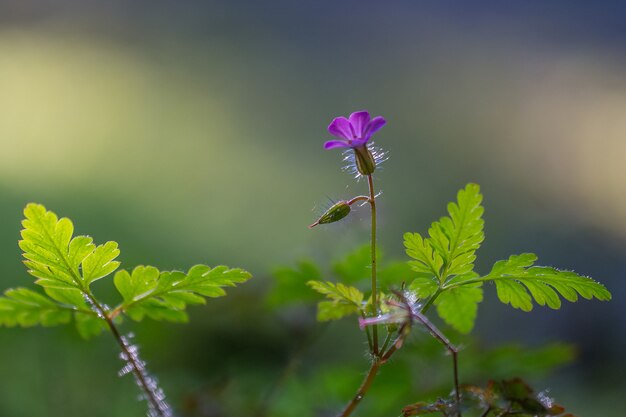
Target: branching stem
(397,344)
(436,333)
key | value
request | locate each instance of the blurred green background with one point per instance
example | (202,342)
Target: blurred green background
(192,132)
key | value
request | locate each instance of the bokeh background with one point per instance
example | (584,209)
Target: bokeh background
(191,132)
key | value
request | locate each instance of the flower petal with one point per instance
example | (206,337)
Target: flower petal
(359,142)
(340,127)
(359,121)
(373,126)
(331,144)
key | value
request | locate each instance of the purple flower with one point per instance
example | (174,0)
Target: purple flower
(355,131)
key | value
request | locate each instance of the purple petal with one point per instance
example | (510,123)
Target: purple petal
(359,142)
(340,127)
(373,126)
(331,144)
(359,121)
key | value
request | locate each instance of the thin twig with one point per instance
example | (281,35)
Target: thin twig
(434,331)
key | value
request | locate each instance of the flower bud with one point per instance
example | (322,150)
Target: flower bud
(336,212)
(365,162)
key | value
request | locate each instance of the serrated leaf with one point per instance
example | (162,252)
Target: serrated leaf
(426,260)
(424,286)
(457,237)
(24,307)
(164,295)
(343,300)
(100,262)
(330,310)
(338,292)
(459,306)
(142,281)
(519,283)
(58,260)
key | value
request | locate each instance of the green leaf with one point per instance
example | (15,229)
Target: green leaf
(164,295)
(330,310)
(343,300)
(426,260)
(457,237)
(459,306)
(290,284)
(450,249)
(57,259)
(99,263)
(89,326)
(26,308)
(424,286)
(519,283)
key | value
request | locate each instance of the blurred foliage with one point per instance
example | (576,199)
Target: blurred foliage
(191,132)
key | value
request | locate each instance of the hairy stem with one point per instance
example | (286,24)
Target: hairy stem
(373,341)
(372,201)
(156,404)
(358,198)
(365,386)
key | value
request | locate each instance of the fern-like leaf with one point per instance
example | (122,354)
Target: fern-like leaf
(453,241)
(518,283)
(459,306)
(165,295)
(457,237)
(58,260)
(26,308)
(426,259)
(343,300)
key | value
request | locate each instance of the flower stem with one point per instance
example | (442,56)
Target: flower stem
(372,201)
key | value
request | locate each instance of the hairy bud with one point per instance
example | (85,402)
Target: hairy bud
(365,162)
(336,212)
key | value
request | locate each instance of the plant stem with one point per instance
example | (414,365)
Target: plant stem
(157,406)
(365,386)
(371,374)
(372,201)
(430,301)
(436,333)
(383,357)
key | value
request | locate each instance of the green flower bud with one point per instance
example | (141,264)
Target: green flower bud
(365,162)
(335,213)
